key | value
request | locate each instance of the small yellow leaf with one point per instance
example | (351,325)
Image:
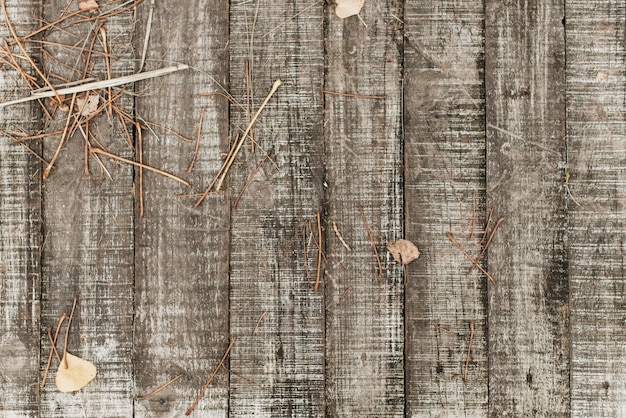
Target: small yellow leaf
(76,375)
(403,251)
(86,5)
(347,8)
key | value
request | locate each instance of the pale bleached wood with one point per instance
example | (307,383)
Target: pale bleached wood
(596,86)
(20,223)
(88,239)
(444,154)
(181,253)
(365,327)
(285,358)
(528,307)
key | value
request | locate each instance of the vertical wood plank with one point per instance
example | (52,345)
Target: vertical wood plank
(365,327)
(181,323)
(596,85)
(285,358)
(20,223)
(528,307)
(444,156)
(88,237)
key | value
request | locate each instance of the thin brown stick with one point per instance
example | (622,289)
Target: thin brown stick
(53,349)
(160,388)
(226,96)
(469,257)
(136,164)
(67,332)
(446,330)
(258,322)
(252,382)
(250,178)
(469,349)
(343,295)
(48,26)
(307,225)
(170,130)
(140,157)
(107,61)
(493,232)
(319,252)
(358,96)
(206,385)
(486,226)
(230,158)
(46,172)
(21,47)
(195,152)
(369,234)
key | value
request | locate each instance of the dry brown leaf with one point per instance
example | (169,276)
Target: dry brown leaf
(403,251)
(76,375)
(86,5)
(90,107)
(347,8)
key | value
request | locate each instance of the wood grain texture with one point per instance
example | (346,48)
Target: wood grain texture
(528,307)
(364,327)
(181,323)
(88,238)
(285,358)
(596,86)
(444,154)
(20,239)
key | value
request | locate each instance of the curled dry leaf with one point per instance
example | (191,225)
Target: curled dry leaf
(76,375)
(403,251)
(89,107)
(86,5)
(347,8)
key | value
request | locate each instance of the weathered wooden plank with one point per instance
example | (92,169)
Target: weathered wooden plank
(365,327)
(444,154)
(181,323)
(285,358)
(88,235)
(596,86)
(528,307)
(20,223)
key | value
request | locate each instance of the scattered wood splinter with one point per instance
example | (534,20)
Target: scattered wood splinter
(345,244)
(469,257)
(160,388)
(469,350)
(369,234)
(206,385)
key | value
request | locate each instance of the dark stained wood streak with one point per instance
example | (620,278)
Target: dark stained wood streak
(284,359)
(20,239)
(596,98)
(88,238)
(181,256)
(528,307)
(444,154)
(363,154)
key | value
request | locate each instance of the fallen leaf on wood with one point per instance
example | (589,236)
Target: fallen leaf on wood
(88,106)
(403,251)
(74,373)
(86,5)
(347,8)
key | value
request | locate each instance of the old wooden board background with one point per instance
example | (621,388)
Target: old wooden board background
(424,120)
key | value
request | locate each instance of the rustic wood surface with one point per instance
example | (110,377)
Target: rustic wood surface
(364,297)
(444,186)
(529,345)
(412,120)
